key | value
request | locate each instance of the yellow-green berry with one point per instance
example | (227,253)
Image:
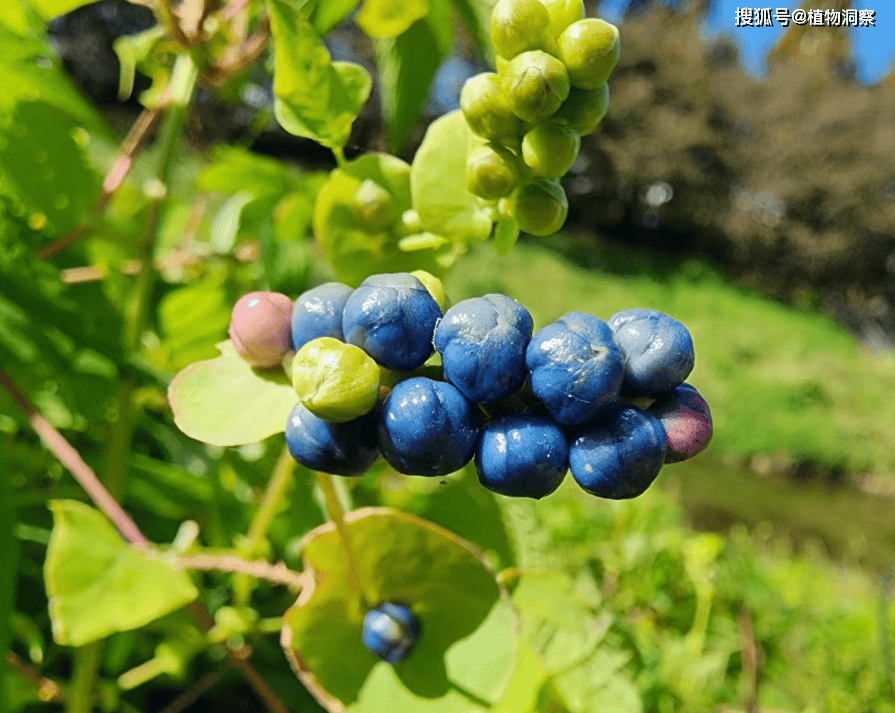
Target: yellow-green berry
(563,13)
(550,149)
(518,26)
(492,171)
(584,109)
(590,50)
(335,381)
(535,85)
(434,287)
(486,109)
(540,207)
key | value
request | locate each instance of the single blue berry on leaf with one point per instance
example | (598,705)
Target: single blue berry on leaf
(390,631)
(318,313)
(620,454)
(657,348)
(392,317)
(427,427)
(576,368)
(522,455)
(347,448)
(482,344)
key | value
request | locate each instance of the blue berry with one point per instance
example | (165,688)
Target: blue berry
(427,427)
(522,455)
(482,344)
(390,631)
(687,421)
(658,351)
(620,455)
(392,318)
(347,448)
(318,313)
(576,368)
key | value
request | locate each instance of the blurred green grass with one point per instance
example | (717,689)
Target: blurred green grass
(781,382)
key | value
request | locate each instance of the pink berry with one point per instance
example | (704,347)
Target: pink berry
(260,328)
(687,421)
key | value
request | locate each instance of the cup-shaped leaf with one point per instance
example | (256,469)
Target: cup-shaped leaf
(439,577)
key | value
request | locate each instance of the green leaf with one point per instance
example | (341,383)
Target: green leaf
(234,169)
(227,222)
(407,65)
(225,402)
(166,489)
(443,580)
(192,321)
(389,18)
(562,627)
(45,170)
(131,51)
(326,14)
(315,97)
(98,584)
(525,685)
(459,504)
(9,555)
(438,184)
(353,252)
(476,16)
(30,72)
(48,9)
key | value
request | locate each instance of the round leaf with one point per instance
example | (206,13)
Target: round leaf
(225,402)
(440,577)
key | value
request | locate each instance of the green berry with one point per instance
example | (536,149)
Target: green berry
(550,149)
(518,26)
(492,172)
(335,381)
(563,13)
(535,84)
(584,109)
(590,50)
(540,207)
(434,287)
(485,108)
(373,207)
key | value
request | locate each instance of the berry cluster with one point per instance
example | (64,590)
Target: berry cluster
(606,400)
(550,89)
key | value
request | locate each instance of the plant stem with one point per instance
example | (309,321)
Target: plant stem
(83,681)
(885,639)
(71,460)
(194,692)
(270,504)
(180,93)
(253,545)
(339,153)
(276,573)
(337,515)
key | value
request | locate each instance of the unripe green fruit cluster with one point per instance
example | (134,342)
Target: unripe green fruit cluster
(549,91)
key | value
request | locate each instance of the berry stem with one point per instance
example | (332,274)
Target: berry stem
(337,515)
(253,546)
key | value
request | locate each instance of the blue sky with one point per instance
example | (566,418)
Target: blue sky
(874,46)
